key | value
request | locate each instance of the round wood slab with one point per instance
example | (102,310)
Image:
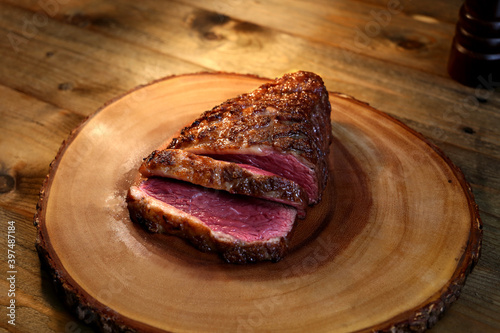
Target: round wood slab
(389,246)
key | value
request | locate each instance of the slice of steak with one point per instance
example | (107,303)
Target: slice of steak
(220,175)
(282,127)
(239,228)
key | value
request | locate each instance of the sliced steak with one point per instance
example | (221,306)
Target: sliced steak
(241,229)
(264,148)
(282,127)
(227,176)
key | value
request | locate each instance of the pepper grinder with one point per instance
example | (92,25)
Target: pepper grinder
(475,53)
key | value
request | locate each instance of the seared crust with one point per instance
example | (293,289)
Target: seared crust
(290,115)
(221,175)
(158,217)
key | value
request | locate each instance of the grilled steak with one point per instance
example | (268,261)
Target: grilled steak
(282,127)
(221,175)
(241,229)
(267,150)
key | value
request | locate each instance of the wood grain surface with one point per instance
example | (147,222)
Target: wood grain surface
(62,60)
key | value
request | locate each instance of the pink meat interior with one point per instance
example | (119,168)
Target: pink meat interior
(284,165)
(244,218)
(256,170)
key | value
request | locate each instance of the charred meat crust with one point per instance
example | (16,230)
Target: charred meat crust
(221,175)
(290,115)
(155,218)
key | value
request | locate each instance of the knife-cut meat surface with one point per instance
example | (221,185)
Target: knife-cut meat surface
(221,175)
(282,127)
(234,181)
(241,229)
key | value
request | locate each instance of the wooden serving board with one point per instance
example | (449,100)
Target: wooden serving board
(389,246)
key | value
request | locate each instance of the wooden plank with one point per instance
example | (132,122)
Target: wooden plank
(28,146)
(481,309)
(429,11)
(482,172)
(390,30)
(57,63)
(31,132)
(466,318)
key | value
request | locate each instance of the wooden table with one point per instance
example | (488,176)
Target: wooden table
(61,60)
